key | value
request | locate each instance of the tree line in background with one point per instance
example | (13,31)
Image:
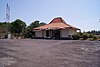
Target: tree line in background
(94,32)
(19,28)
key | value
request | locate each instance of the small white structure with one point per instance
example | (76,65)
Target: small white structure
(9,36)
(57,28)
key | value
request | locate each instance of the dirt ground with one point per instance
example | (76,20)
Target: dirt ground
(49,53)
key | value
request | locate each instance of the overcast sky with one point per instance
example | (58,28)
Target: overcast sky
(84,14)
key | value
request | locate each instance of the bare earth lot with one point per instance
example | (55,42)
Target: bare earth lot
(49,53)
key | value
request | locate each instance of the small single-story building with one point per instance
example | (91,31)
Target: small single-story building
(57,28)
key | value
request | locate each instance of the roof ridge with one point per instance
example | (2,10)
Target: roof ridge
(57,20)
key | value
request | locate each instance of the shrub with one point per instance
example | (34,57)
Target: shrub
(80,33)
(85,36)
(76,36)
(99,38)
(95,38)
(91,36)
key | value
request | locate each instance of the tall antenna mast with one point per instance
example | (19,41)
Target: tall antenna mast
(7,20)
(7,13)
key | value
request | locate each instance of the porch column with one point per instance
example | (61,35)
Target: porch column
(43,33)
(50,33)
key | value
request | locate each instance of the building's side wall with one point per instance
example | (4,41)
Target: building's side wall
(44,33)
(38,33)
(72,31)
(67,32)
(64,33)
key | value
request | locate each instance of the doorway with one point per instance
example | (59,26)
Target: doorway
(47,33)
(56,33)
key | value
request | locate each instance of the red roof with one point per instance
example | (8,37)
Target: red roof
(56,23)
(57,20)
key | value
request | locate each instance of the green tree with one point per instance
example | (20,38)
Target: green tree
(29,30)
(18,26)
(4,25)
(34,24)
(42,23)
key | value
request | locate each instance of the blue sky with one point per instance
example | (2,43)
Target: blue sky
(84,14)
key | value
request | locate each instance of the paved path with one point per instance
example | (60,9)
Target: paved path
(49,53)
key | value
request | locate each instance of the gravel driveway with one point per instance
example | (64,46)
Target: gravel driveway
(49,53)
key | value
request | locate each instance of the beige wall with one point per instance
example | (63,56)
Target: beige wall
(64,32)
(41,33)
(72,31)
(67,32)
(38,33)
(44,33)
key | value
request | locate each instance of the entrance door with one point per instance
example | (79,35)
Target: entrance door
(56,33)
(47,33)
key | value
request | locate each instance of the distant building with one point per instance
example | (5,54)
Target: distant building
(57,28)
(2,30)
(2,33)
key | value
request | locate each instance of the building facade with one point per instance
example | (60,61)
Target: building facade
(57,28)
